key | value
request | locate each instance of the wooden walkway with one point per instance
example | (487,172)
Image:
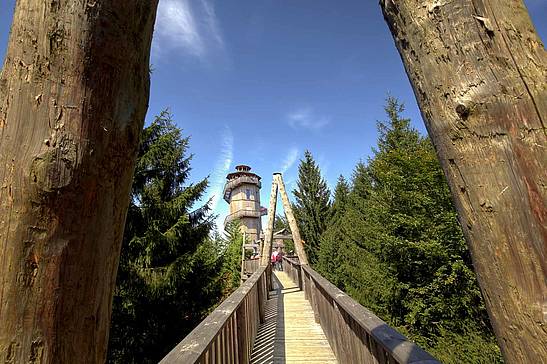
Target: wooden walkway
(289,333)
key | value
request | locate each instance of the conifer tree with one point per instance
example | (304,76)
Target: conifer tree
(329,258)
(404,255)
(168,274)
(341,194)
(312,208)
(231,257)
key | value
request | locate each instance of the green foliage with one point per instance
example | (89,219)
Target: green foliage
(467,346)
(231,257)
(167,278)
(394,244)
(281,222)
(312,208)
(329,256)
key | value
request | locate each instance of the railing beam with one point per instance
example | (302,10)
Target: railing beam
(355,334)
(228,330)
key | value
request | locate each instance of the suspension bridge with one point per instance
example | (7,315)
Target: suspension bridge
(293,316)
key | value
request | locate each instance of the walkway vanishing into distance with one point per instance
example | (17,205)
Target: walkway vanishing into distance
(289,333)
(296,316)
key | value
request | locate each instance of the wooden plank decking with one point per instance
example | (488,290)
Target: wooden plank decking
(289,333)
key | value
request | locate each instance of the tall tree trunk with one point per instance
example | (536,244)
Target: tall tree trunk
(479,73)
(298,246)
(73,96)
(268,236)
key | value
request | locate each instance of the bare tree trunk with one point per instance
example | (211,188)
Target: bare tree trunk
(73,96)
(479,73)
(268,236)
(298,246)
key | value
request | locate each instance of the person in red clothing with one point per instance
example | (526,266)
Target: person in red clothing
(279,260)
(274,259)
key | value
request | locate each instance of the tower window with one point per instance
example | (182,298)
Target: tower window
(248,192)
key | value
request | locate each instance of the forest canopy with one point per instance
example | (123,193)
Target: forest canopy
(388,236)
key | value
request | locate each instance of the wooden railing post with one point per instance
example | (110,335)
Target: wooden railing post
(355,334)
(241,334)
(268,275)
(227,335)
(261,299)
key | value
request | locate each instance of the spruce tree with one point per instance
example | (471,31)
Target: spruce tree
(168,272)
(341,194)
(231,257)
(312,208)
(404,255)
(329,258)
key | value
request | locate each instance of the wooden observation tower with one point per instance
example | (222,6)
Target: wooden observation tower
(242,192)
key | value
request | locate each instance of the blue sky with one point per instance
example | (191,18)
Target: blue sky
(257,82)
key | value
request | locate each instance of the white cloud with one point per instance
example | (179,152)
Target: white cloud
(306,118)
(290,159)
(189,27)
(222,167)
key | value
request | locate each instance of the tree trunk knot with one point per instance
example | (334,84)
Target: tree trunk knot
(463,111)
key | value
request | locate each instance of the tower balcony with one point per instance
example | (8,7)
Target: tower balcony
(237,180)
(244,213)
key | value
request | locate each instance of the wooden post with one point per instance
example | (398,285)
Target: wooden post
(479,71)
(241,280)
(268,237)
(261,286)
(299,247)
(241,333)
(73,96)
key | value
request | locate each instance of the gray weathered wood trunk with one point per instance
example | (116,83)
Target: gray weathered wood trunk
(479,73)
(268,236)
(298,246)
(73,96)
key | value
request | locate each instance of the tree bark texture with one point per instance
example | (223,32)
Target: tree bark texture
(268,237)
(297,239)
(479,73)
(73,96)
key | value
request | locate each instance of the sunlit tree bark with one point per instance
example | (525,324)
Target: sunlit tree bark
(479,73)
(73,96)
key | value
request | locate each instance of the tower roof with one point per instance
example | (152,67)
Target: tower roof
(243,168)
(242,175)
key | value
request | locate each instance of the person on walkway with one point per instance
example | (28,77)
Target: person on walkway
(279,259)
(274,259)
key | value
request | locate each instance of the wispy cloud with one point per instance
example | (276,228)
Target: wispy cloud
(290,159)
(189,27)
(222,166)
(306,118)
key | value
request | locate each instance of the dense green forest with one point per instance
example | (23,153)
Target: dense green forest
(388,236)
(173,269)
(391,240)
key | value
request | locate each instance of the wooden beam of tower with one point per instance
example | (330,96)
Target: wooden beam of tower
(268,236)
(299,247)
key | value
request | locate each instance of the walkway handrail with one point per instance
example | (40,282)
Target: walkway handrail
(227,335)
(355,334)
(291,266)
